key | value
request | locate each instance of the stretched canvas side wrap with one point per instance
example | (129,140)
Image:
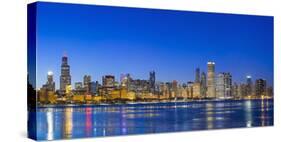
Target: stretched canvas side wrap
(96,71)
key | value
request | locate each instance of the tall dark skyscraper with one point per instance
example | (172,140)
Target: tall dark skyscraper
(94,87)
(197,75)
(211,86)
(65,78)
(152,81)
(260,87)
(203,83)
(249,85)
(228,85)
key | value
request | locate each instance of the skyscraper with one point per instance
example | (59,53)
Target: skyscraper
(220,90)
(234,90)
(190,89)
(197,75)
(211,88)
(65,78)
(78,86)
(260,87)
(196,90)
(169,89)
(269,91)
(249,85)
(125,81)
(86,82)
(223,85)
(242,91)
(108,81)
(203,83)
(50,84)
(152,81)
(174,88)
(94,87)
(228,85)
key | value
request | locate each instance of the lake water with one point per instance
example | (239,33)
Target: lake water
(96,121)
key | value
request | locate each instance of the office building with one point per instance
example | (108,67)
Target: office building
(260,87)
(50,84)
(203,84)
(108,81)
(196,90)
(78,86)
(249,85)
(86,82)
(211,86)
(223,86)
(152,81)
(65,78)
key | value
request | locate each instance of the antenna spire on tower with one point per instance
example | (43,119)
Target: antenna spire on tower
(64,54)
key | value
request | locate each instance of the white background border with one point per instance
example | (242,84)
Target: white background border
(13,71)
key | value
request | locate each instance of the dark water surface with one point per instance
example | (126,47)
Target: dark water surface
(95,121)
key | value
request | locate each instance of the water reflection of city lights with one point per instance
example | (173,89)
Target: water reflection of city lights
(104,132)
(210,119)
(124,131)
(264,109)
(50,124)
(209,106)
(95,131)
(248,113)
(224,112)
(267,105)
(210,122)
(219,118)
(134,115)
(88,125)
(68,123)
(209,115)
(122,120)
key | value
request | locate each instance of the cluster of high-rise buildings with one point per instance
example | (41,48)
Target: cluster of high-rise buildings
(204,86)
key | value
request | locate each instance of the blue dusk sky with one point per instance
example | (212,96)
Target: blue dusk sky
(101,40)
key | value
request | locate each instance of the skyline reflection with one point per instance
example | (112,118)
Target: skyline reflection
(68,123)
(96,121)
(50,124)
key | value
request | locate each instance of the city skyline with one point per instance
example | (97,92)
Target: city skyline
(240,44)
(197,79)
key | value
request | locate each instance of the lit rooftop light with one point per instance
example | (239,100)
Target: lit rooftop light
(248,76)
(211,63)
(50,73)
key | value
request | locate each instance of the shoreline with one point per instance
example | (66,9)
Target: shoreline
(139,103)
